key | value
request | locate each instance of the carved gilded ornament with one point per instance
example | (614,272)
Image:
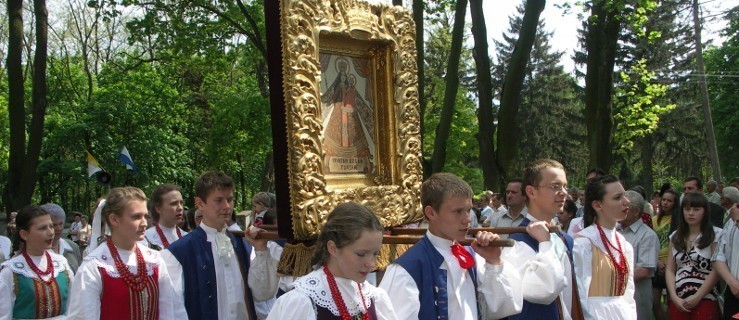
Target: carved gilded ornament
(384,172)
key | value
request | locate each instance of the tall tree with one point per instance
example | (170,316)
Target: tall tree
(604,25)
(485,115)
(24,155)
(549,122)
(705,101)
(438,158)
(722,66)
(512,87)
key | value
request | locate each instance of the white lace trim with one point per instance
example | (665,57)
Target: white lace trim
(102,258)
(19,265)
(315,286)
(593,235)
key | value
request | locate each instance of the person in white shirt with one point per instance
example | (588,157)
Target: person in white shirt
(346,253)
(167,211)
(437,278)
(5,248)
(726,261)
(603,258)
(548,293)
(122,279)
(34,284)
(75,227)
(210,267)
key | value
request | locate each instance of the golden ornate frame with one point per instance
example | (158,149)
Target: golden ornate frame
(385,35)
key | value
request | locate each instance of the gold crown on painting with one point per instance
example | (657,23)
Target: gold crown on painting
(361,20)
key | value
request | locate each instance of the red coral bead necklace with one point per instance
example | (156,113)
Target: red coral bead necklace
(339,300)
(49,266)
(136,282)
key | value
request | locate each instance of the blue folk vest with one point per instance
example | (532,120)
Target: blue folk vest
(534,310)
(422,262)
(194,253)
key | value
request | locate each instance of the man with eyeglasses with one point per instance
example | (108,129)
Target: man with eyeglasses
(545,187)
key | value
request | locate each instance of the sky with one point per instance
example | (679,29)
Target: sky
(565,26)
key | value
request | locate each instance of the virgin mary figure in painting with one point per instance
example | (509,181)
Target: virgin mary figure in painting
(347,122)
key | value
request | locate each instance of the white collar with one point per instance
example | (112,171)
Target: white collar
(211,232)
(19,265)
(103,258)
(167,229)
(441,244)
(315,286)
(531,218)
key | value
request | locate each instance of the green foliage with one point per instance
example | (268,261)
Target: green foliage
(462,148)
(549,120)
(638,110)
(722,68)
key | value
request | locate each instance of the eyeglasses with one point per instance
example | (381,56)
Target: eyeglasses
(556,188)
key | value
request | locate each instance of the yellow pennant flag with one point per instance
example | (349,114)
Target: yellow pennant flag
(92,165)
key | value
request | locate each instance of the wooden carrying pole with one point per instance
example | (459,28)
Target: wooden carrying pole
(471,231)
(389,239)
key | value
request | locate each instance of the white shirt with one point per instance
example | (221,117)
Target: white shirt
(728,248)
(75,226)
(152,235)
(607,307)
(87,286)
(313,288)
(262,308)
(498,286)
(546,275)
(19,265)
(229,281)
(5,248)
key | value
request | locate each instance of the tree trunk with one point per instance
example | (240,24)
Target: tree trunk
(398,2)
(601,41)
(16,108)
(450,92)
(701,71)
(647,159)
(485,116)
(418,10)
(38,102)
(510,101)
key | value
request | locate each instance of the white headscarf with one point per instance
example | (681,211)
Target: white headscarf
(97,228)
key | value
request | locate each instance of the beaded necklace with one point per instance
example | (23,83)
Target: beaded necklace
(49,266)
(136,282)
(165,243)
(336,295)
(622,267)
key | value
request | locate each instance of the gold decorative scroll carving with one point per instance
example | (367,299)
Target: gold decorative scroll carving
(355,136)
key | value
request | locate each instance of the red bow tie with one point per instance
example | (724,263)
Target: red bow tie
(464,257)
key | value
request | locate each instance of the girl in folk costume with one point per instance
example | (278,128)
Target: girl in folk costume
(347,251)
(135,279)
(603,259)
(34,284)
(691,280)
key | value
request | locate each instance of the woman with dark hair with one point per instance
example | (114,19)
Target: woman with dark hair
(346,252)
(35,283)
(691,280)
(661,223)
(603,259)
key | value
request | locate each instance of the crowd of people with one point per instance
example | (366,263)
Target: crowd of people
(603,253)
